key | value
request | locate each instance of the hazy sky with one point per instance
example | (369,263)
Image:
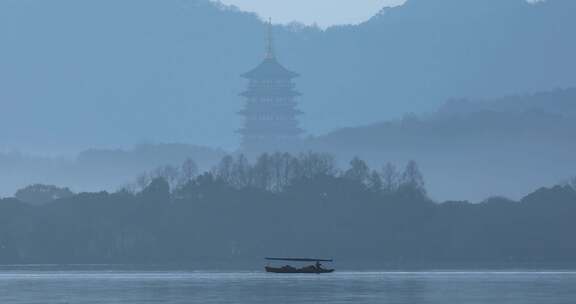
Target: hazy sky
(322,12)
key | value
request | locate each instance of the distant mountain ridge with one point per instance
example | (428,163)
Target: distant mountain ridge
(79,74)
(474,149)
(561,102)
(98,169)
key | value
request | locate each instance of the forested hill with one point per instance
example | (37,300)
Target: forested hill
(290,205)
(74,73)
(471,149)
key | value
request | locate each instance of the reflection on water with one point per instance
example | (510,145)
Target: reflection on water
(20,285)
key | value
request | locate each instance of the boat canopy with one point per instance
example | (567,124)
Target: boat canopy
(299,259)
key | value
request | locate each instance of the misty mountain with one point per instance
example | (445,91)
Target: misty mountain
(98,169)
(80,74)
(470,150)
(561,102)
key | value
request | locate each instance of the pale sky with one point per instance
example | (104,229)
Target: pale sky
(322,12)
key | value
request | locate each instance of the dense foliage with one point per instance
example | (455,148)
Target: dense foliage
(289,205)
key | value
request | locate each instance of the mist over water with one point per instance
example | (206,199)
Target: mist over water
(180,287)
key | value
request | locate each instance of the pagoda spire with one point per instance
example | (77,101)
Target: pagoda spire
(270,42)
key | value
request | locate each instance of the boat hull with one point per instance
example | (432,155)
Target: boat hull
(297,270)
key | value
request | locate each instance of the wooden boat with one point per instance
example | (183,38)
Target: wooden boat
(316,268)
(290,269)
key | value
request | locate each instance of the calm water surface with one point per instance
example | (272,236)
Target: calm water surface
(46,286)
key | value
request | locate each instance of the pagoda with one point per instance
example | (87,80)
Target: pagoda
(270,112)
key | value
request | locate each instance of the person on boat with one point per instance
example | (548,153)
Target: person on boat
(318,266)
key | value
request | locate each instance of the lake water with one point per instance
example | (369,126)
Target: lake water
(47,286)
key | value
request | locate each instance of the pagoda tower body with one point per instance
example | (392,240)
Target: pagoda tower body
(270,112)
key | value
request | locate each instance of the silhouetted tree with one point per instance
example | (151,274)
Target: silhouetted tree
(158,191)
(358,171)
(311,165)
(412,179)
(169,173)
(375,182)
(390,178)
(225,170)
(188,170)
(281,173)
(261,172)
(241,173)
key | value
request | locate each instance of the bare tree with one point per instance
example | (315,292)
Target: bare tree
(412,178)
(224,170)
(169,173)
(281,173)
(358,171)
(130,188)
(390,178)
(375,181)
(315,164)
(188,171)
(262,173)
(241,172)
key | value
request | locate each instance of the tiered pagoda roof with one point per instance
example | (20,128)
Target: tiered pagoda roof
(270,69)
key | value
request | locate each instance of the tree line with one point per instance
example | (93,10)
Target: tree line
(288,205)
(277,171)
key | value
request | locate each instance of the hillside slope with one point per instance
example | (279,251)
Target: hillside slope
(81,74)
